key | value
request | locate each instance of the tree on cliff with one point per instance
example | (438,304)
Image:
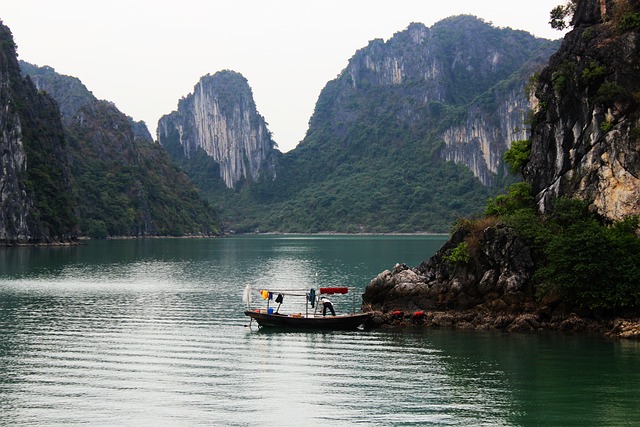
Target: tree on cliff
(562,15)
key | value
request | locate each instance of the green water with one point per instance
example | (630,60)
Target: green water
(152,333)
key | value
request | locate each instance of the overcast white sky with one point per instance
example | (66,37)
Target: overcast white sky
(144,55)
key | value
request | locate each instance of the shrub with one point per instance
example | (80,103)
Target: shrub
(588,33)
(606,126)
(517,156)
(560,78)
(592,265)
(561,16)
(629,21)
(459,254)
(518,197)
(610,92)
(593,72)
(588,262)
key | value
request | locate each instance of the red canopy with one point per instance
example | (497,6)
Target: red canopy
(331,291)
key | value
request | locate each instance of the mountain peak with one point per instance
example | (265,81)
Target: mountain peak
(220,118)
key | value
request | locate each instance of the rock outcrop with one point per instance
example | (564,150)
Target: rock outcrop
(586,133)
(585,143)
(491,290)
(35,194)
(495,278)
(220,117)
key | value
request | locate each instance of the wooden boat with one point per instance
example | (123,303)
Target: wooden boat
(310,319)
(338,322)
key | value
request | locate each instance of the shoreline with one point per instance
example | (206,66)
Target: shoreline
(80,241)
(41,244)
(83,241)
(613,327)
(337,233)
(187,236)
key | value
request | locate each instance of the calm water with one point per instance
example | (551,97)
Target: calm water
(152,333)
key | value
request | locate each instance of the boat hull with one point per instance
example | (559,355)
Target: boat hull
(341,322)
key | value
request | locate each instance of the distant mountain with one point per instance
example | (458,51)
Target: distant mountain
(220,119)
(124,184)
(461,82)
(35,194)
(375,157)
(407,138)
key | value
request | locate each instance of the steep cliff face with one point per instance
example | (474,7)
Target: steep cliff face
(35,195)
(14,204)
(220,117)
(125,184)
(487,132)
(586,138)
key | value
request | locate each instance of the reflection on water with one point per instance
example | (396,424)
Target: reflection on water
(152,333)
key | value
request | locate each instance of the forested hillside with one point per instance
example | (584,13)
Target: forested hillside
(123,183)
(407,138)
(35,194)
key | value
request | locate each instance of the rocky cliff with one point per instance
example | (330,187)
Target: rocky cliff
(498,276)
(584,144)
(586,134)
(35,194)
(460,61)
(220,117)
(125,184)
(410,135)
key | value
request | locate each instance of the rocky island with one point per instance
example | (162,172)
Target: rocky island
(583,160)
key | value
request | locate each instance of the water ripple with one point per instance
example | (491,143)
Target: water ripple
(161,340)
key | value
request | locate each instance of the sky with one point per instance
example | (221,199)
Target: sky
(144,55)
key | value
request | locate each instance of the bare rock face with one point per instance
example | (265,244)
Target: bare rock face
(14,205)
(220,118)
(586,133)
(487,132)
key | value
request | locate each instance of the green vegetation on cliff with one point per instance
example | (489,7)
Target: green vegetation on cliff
(379,155)
(581,259)
(123,183)
(36,204)
(129,187)
(47,172)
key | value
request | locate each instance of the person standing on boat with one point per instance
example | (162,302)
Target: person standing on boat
(326,304)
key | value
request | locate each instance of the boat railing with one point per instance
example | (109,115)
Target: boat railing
(272,294)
